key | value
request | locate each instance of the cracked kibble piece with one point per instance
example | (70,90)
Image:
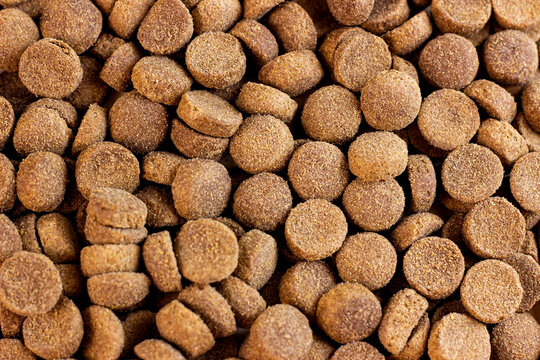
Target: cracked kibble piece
(102,259)
(138,326)
(99,234)
(293,73)
(209,114)
(106,44)
(472,173)
(76,22)
(449,61)
(510,57)
(103,334)
(167,27)
(160,206)
(193,144)
(529,276)
(448,119)
(262,144)
(7,121)
(520,14)
(262,201)
(357,350)
(17,32)
(434,267)
(493,99)
(461,17)
(417,342)
(116,208)
(315,229)
(201,188)
(206,251)
(351,12)
(257,258)
(119,66)
(155,349)
(530,100)
(414,227)
(212,307)
(318,170)
(293,27)
(160,79)
(525,181)
(367,258)
(410,35)
(494,228)
(256,9)
(518,337)
(10,238)
(14,349)
(245,301)
(7,184)
(50,68)
(390,100)
(118,291)
(503,139)
(358,57)
(402,314)
(332,114)
(386,15)
(93,129)
(106,164)
(304,283)
(378,155)
(216,15)
(491,291)
(374,206)
(58,238)
(126,16)
(459,336)
(91,89)
(41,181)
(160,166)
(422,181)
(72,280)
(262,99)
(349,312)
(27,292)
(281,332)
(55,334)
(160,262)
(137,123)
(216,60)
(184,328)
(26,226)
(257,39)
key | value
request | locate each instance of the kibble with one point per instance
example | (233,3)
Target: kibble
(103,334)
(154,349)
(216,15)
(119,66)
(530,100)
(493,99)
(503,139)
(460,18)
(193,144)
(102,259)
(11,241)
(525,181)
(257,98)
(293,27)
(516,14)
(517,336)
(7,184)
(423,182)
(126,15)
(92,130)
(415,227)
(160,206)
(258,40)
(245,301)
(58,238)
(351,12)
(160,166)
(118,291)
(17,32)
(255,9)
(529,277)
(160,262)
(409,36)
(14,349)
(257,258)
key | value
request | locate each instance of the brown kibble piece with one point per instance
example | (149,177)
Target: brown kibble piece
(167,27)
(516,337)
(160,262)
(318,170)
(17,32)
(525,181)
(103,334)
(118,291)
(503,139)
(434,267)
(492,98)
(58,238)
(184,328)
(376,156)
(106,44)
(55,334)
(14,91)
(212,307)
(400,64)
(293,27)
(293,73)
(14,349)
(50,68)
(510,57)
(304,283)
(315,229)
(332,40)
(417,343)
(471,173)
(10,323)
(491,291)
(262,202)
(258,40)
(449,61)
(216,60)
(358,57)
(126,16)
(27,230)
(530,100)
(72,280)
(257,98)
(7,121)
(401,316)
(529,277)
(91,89)
(418,141)
(138,326)
(7,184)
(516,14)
(99,234)
(494,228)
(26,292)
(245,301)
(255,9)
(320,14)
(154,349)
(216,15)
(236,228)
(106,164)
(351,12)
(410,35)
(348,312)
(374,206)
(196,145)
(257,258)
(201,188)
(357,350)
(10,239)
(462,18)
(41,181)
(367,258)
(321,349)
(386,15)
(414,227)
(118,68)
(459,336)
(529,245)
(160,166)
(93,129)
(102,259)
(423,182)
(160,206)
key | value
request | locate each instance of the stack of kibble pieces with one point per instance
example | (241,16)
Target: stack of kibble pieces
(269,179)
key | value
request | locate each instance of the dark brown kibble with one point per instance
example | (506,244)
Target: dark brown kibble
(106,44)
(410,35)
(103,334)
(17,32)
(258,40)
(414,227)
(118,291)
(351,12)
(126,16)
(117,69)
(332,40)
(245,301)
(216,15)
(494,99)
(91,89)
(72,280)
(138,326)
(517,336)
(257,98)
(193,144)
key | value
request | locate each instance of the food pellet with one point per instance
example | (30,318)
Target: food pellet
(160,166)
(103,334)
(245,301)
(154,349)
(525,181)
(10,238)
(409,36)
(351,12)
(126,15)
(193,144)
(101,259)
(255,98)
(503,139)
(160,206)
(517,336)
(460,18)
(7,184)
(138,326)
(258,40)
(257,258)
(58,238)
(493,99)
(160,262)
(117,70)
(118,291)
(14,349)
(529,276)
(293,27)
(422,181)
(414,227)
(15,24)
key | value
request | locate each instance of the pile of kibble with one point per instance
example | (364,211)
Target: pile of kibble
(269,179)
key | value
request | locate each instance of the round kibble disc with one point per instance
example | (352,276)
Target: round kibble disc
(525,181)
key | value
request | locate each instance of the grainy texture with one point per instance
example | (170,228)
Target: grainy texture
(14,349)
(126,15)
(414,227)
(386,15)
(258,40)
(423,182)
(216,15)
(91,90)
(492,98)
(525,181)
(17,32)
(160,206)
(103,334)
(410,35)
(257,98)
(516,337)
(7,184)
(154,349)
(460,17)
(160,262)
(293,27)
(245,301)
(7,121)
(193,144)
(160,166)
(257,258)
(118,291)
(503,139)
(116,208)
(516,14)
(93,129)
(255,9)
(102,259)
(117,69)
(529,276)
(58,238)
(351,12)
(10,238)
